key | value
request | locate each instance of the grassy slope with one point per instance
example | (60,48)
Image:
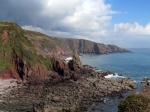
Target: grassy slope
(47,42)
(18,45)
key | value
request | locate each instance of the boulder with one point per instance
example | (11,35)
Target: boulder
(127,82)
(146,81)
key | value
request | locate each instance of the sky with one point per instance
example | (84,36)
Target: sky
(125,23)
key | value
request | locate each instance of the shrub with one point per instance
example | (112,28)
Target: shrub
(134,103)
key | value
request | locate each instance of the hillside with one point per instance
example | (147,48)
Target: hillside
(18,57)
(55,46)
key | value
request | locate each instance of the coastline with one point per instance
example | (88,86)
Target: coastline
(75,94)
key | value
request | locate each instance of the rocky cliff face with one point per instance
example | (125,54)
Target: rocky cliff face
(54,46)
(86,46)
(18,57)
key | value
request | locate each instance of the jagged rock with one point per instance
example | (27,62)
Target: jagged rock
(58,65)
(76,60)
(75,63)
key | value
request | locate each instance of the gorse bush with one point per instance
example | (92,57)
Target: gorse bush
(134,103)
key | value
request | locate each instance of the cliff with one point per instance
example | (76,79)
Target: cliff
(28,55)
(55,46)
(18,57)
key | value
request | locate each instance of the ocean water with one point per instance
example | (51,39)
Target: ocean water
(135,65)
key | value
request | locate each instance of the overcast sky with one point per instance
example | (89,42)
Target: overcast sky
(125,23)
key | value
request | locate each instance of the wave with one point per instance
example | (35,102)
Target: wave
(113,76)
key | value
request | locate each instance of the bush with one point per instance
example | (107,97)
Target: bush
(134,103)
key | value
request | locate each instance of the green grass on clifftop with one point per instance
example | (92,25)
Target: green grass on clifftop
(16,44)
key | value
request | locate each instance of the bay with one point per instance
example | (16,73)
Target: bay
(135,65)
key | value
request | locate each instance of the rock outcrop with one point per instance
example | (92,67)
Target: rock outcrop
(75,62)
(59,65)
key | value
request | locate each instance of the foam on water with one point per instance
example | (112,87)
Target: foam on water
(113,76)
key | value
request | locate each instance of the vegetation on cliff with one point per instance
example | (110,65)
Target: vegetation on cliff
(55,46)
(17,51)
(136,102)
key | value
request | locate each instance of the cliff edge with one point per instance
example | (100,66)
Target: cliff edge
(55,46)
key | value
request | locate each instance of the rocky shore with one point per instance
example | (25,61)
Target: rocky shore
(69,88)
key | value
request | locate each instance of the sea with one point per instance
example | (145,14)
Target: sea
(135,65)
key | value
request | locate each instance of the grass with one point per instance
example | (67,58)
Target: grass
(47,43)
(18,45)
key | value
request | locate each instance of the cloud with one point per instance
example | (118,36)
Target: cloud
(127,35)
(26,27)
(76,17)
(88,19)
(132,29)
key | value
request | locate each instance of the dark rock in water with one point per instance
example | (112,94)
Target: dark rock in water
(87,66)
(107,73)
(95,68)
(146,81)
(120,75)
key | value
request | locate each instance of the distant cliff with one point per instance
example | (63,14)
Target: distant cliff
(55,46)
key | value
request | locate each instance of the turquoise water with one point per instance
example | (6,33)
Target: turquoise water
(135,65)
